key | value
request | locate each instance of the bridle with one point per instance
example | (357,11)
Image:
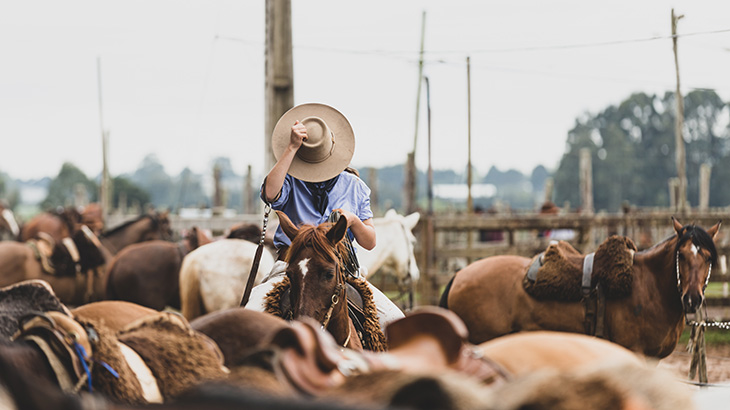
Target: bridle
(335,299)
(679,277)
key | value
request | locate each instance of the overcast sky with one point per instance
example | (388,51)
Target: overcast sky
(184,79)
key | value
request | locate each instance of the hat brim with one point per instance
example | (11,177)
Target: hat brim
(342,153)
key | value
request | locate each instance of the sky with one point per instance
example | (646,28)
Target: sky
(184,80)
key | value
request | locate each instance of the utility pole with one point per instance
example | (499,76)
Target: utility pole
(104,189)
(279,70)
(679,125)
(410,177)
(469,199)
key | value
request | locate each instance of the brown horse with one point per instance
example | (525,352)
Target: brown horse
(60,223)
(147,273)
(84,282)
(668,281)
(317,284)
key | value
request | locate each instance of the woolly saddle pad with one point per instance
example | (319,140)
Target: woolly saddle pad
(178,357)
(373,337)
(561,274)
(23,298)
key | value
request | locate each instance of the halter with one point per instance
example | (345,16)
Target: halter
(335,300)
(679,278)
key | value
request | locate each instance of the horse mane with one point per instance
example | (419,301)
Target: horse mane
(316,238)
(699,237)
(118,228)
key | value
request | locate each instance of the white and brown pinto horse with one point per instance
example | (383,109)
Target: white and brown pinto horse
(668,281)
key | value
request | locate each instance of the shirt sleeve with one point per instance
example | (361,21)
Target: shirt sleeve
(364,211)
(282,197)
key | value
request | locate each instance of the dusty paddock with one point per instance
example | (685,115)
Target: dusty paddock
(718,363)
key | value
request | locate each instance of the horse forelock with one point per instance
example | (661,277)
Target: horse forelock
(699,238)
(315,237)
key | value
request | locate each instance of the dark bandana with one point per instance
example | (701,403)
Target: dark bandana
(320,193)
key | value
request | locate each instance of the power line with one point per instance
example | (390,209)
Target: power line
(401,54)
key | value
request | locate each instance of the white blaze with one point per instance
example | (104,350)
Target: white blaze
(694,249)
(303,266)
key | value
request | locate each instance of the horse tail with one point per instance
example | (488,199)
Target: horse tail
(443,302)
(190,298)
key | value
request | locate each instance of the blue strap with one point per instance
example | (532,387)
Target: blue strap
(81,352)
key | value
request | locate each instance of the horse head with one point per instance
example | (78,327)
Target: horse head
(403,251)
(695,255)
(316,278)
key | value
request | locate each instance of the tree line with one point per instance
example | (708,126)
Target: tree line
(632,145)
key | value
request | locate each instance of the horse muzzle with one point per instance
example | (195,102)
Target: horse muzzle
(691,301)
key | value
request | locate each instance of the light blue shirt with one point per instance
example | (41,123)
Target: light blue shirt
(349,193)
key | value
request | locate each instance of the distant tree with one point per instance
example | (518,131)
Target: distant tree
(632,147)
(132,191)
(62,189)
(151,177)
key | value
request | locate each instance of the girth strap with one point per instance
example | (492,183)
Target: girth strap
(587,273)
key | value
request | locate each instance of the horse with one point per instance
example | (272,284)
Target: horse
(60,223)
(213,276)
(394,252)
(80,269)
(318,288)
(147,273)
(238,331)
(8,224)
(152,360)
(63,265)
(667,282)
(147,227)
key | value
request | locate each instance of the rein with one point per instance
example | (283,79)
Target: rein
(256,258)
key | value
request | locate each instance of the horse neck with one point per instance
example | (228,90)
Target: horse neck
(340,323)
(133,233)
(658,263)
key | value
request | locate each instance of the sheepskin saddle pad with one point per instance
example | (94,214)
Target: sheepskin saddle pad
(558,273)
(152,360)
(365,317)
(23,298)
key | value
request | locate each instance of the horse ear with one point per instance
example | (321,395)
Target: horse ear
(411,220)
(337,232)
(677,225)
(287,225)
(714,230)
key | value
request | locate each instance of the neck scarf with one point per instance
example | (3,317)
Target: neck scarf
(320,193)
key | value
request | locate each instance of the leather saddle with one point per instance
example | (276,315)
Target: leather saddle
(63,341)
(433,340)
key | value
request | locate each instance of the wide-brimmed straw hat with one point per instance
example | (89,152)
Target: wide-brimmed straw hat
(329,146)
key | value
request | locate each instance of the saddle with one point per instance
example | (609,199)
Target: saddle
(19,299)
(430,340)
(149,361)
(561,273)
(43,248)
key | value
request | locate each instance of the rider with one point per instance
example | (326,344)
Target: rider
(313,144)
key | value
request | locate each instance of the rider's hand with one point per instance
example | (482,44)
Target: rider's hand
(351,218)
(298,135)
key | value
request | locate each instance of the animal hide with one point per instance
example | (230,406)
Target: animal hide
(23,298)
(124,389)
(178,356)
(372,338)
(560,277)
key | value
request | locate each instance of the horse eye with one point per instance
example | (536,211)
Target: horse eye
(681,257)
(330,274)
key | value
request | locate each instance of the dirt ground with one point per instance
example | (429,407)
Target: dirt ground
(718,363)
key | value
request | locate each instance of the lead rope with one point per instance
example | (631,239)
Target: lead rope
(256,258)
